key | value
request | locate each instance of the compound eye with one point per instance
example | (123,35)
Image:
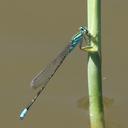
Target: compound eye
(83,29)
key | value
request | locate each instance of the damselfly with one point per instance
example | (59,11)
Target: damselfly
(44,76)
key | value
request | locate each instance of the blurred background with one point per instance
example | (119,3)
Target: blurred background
(32,33)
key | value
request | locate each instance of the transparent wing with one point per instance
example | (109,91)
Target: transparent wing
(44,76)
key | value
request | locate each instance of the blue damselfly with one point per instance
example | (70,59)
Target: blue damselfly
(44,76)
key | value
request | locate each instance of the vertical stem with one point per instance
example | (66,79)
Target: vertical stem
(94,66)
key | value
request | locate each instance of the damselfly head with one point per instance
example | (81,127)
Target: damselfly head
(83,29)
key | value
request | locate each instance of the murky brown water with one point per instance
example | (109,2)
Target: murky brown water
(31,35)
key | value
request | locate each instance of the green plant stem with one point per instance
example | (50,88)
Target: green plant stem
(94,66)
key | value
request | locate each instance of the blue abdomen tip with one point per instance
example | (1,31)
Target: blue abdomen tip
(23,114)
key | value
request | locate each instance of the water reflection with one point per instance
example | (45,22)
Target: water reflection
(83,102)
